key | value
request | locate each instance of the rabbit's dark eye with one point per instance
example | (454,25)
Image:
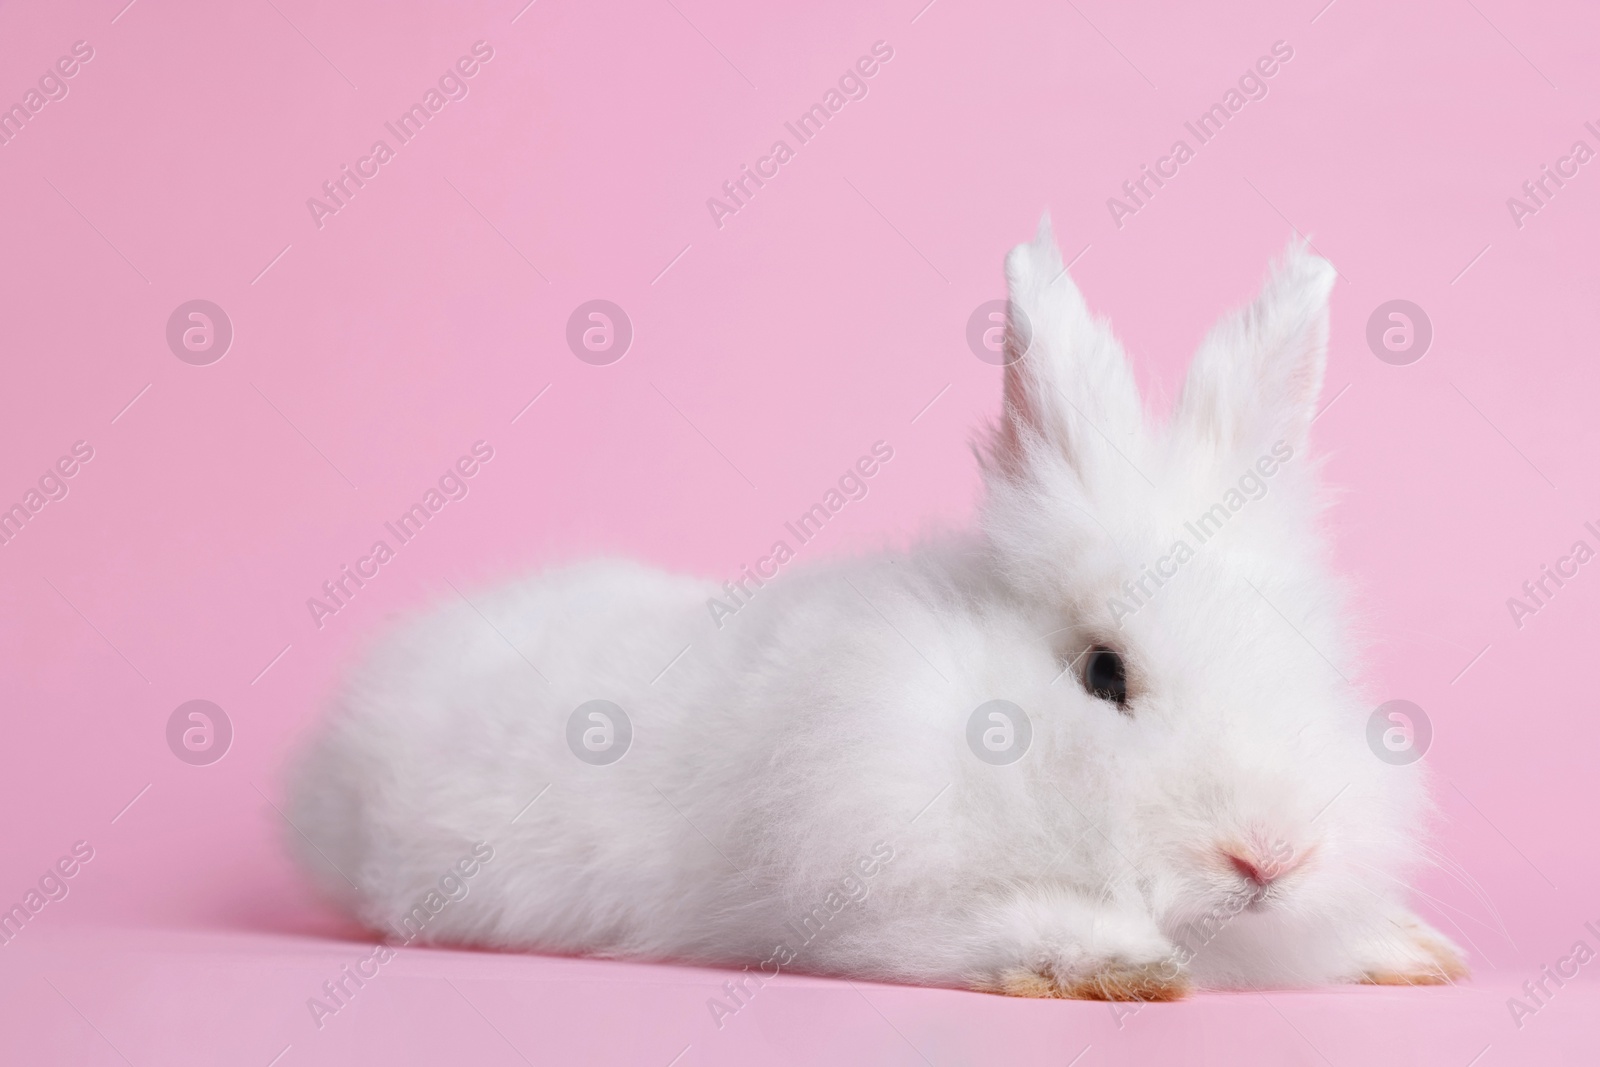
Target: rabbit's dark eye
(1105,676)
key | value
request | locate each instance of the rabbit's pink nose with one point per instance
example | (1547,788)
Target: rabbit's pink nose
(1258,869)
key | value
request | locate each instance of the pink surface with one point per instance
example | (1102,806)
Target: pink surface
(374,345)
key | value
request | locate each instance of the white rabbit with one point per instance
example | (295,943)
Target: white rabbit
(1185,797)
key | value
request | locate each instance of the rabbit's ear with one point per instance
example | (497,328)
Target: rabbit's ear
(1069,395)
(1257,376)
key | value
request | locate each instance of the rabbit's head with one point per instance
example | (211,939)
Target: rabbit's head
(1207,677)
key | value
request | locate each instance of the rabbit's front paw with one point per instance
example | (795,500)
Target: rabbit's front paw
(1411,953)
(1052,943)
(1108,980)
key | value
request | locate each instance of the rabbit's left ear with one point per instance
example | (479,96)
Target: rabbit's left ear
(1069,396)
(1257,376)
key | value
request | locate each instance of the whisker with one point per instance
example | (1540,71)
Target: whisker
(1440,905)
(1452,867)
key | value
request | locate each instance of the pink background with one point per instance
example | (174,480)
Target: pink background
(824,316)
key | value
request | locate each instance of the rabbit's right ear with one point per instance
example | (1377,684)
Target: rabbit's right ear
(1069,396)
(1258,375)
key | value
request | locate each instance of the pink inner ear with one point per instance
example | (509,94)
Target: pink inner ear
(1246,869)
(1020,411)
(1006,448)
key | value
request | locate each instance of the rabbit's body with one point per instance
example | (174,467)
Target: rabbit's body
(795,772)
(802,790)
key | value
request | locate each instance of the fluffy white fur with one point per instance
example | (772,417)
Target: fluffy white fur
(832,709)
